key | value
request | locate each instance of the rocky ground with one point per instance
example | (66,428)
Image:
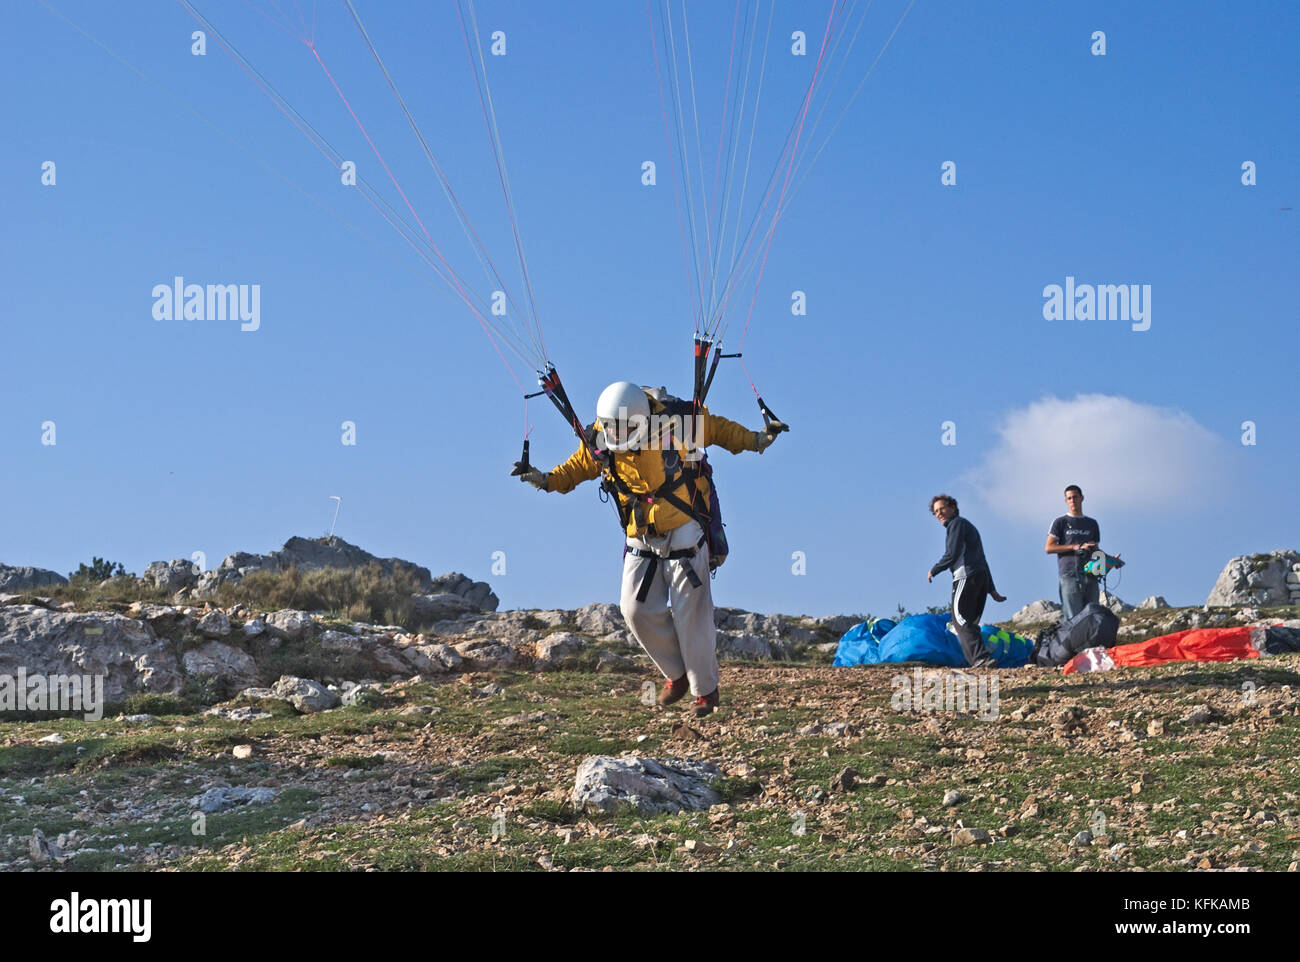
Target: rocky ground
(1180,767)
(243,736)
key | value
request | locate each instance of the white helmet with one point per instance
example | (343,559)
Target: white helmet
(624,415)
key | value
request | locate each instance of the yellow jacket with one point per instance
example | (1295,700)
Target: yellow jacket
(643,471)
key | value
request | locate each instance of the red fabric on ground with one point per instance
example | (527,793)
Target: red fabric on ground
(1195,644)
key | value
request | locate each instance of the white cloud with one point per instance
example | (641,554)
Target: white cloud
(1125,455)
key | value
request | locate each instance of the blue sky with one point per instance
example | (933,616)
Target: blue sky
(925,301)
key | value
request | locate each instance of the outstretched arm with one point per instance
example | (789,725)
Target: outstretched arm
(580,467)
(736,437)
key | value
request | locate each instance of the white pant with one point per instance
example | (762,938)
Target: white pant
(681,639)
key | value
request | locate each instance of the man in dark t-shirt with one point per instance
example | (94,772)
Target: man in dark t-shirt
(1072,538)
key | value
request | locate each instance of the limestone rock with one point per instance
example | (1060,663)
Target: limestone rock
(554,618)
(1114,603)
(477,593)
(743,645)
(1258,579)
(556,648)
(649,785)
(309,554)
(221,799)
(963,837)
(363,696)
(340,642)
(42,849)
(432,608)
(163,619)
(1037,611)
(433,659)
(599,619)
(171,576)
(289,624)
(305,695)
(232,665)
(215,624)
(25,577)
(243,713)
(486,653)
(123,650)
(838,624)
(610,661)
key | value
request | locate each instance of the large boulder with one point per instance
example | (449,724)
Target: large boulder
(22,578)
(477,593)
(485,653)
(649,785)
(751,623)
(433,659)
(1037,611)
(599,620)
(743,645)
(227,797)
(443,606)
(235,667)
(123,650)
(310,554)
(1257,579)
(289,624)
(171,576)
(215,624)
(209,583)
(305,695)
(837,624)
(1114,603)
(558,648)
(163,619)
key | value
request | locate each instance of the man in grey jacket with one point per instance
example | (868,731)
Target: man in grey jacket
(972,582)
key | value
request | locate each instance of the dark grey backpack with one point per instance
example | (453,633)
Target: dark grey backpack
(1095,626)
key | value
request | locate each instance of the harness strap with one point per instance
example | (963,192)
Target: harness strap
(643,590)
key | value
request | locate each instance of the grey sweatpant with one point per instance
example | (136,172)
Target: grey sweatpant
(681,639)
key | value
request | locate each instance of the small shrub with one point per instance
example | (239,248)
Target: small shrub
(149,704)
(355,761)
(202,690)
(98,570)
(347,594)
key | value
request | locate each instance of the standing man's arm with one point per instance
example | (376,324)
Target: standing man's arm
(952,548)
(1055,547)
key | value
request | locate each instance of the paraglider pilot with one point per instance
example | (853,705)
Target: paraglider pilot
(651,463)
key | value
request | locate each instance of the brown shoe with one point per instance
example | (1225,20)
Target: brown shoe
(705,704)
(673,691)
